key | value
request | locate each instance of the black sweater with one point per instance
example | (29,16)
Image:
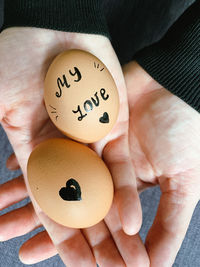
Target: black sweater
(162,36)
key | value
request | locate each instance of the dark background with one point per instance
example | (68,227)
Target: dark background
(1,13)
(123,17)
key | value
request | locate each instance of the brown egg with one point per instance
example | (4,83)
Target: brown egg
(81,97)
(70,182)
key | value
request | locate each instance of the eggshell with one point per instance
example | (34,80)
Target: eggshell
(89,192)
(81,96)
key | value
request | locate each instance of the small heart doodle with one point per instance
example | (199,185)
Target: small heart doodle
(104,118)
(72,191)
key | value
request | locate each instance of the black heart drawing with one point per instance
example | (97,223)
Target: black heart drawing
(72,191)
(104,118)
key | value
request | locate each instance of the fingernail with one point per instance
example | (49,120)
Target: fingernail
(9,165)
(21,259)
(25,261)
(2,238)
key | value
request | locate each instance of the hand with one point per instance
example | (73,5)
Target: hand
(165,149)
(25,54)
(41,247)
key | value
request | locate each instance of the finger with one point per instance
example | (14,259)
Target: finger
(18,222)
(70,243)
(116,156)
(131,248)
(103,246)
(36,249)
(12,163)
(12,192)
(170,225)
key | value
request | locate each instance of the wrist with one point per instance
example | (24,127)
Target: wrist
(138,81)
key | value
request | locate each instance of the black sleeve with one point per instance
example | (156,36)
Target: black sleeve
(175,60)
(1,13)
(84,16)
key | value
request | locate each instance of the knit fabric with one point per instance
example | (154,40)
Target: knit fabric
(65,15)
(1,13)
(174,61)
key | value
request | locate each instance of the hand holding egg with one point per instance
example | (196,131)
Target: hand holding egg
(71,184)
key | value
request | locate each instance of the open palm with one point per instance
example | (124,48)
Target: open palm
(25,54)
(164,136)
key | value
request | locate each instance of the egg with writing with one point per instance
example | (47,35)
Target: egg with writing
(70,182)
(81,96)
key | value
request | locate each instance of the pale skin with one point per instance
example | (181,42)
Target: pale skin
(164,142)
(25,54)
(164,150)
